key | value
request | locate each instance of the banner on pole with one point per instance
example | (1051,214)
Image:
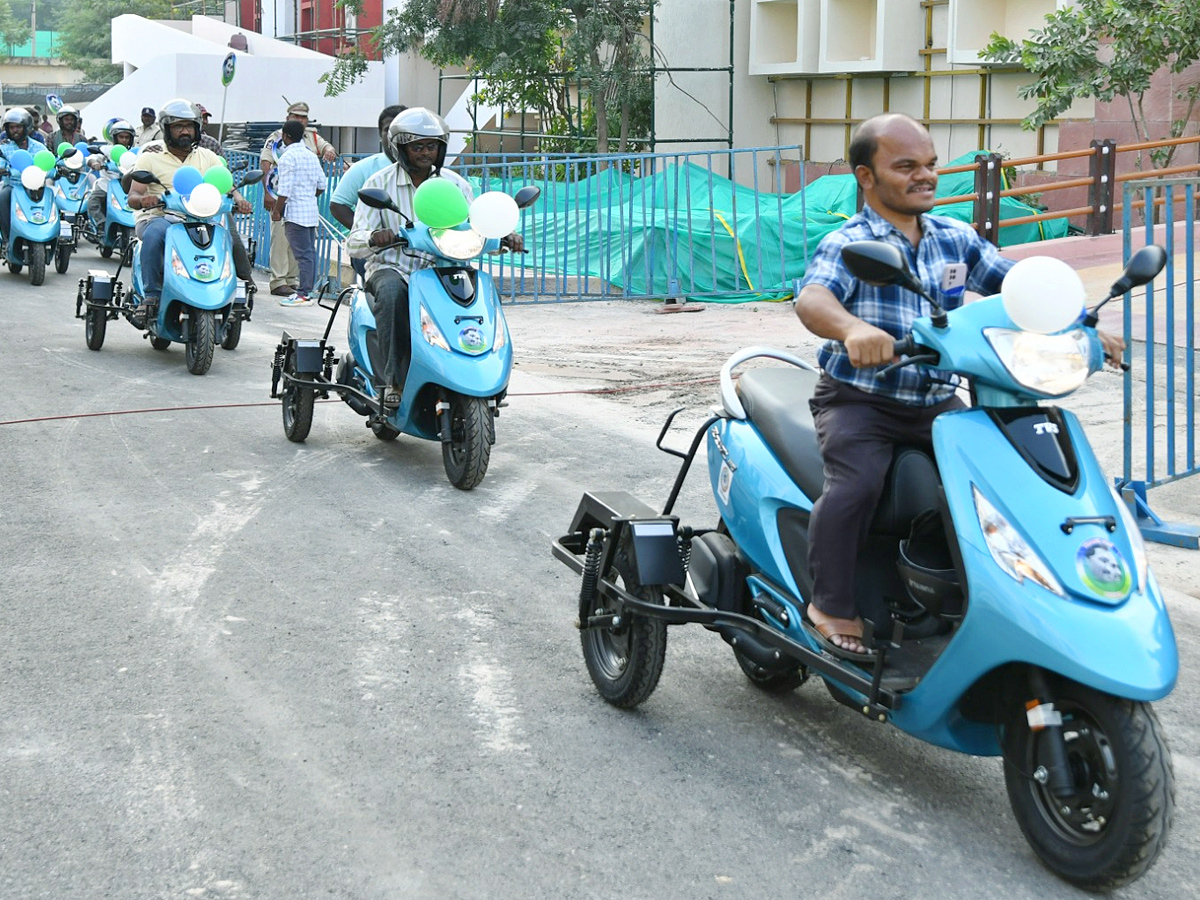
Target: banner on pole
(227,68)
(53,103)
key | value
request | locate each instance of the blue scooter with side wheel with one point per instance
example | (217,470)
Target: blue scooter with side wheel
(33,217)
(1014,612)
(119,220)
(200,305)
(72,188)
(461,353)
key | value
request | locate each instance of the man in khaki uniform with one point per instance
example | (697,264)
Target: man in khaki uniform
(285,271)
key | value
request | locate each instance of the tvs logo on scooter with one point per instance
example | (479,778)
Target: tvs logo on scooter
(472,340)
(1102,569)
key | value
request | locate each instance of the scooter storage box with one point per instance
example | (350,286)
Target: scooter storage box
(307,356)
(99,286)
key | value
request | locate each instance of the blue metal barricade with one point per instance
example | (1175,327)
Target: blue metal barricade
(1160,432)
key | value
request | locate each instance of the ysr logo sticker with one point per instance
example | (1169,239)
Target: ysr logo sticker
(1103,569)
(472,340)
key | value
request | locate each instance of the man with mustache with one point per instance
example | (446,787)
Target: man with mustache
(860,418)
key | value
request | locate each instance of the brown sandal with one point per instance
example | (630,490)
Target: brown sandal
(838,637)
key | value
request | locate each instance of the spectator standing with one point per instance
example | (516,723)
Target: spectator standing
(150,130)
(207,141)
(285,273)
(47,127)
(301,182)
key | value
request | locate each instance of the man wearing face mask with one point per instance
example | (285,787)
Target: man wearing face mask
(180,123)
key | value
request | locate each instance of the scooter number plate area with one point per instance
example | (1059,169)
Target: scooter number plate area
(725,481)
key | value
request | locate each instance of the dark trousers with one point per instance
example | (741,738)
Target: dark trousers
(857,432)
(303,240)
(5,208)
(389,301)
(241,259)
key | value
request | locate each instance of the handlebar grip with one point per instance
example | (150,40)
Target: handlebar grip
(905,346)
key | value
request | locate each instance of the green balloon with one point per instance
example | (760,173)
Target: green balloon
(44,160)
(64,147)
(220,178)
(439,203)
(116,153)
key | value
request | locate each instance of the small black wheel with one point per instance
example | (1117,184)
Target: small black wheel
(233,334)
(15,268)
(297,412)
(1112,828)
(384,431)
(159,343)
(198,351)
(62,258)
(37,264)
(106,252)
(95,324)
(772,681)
(465,457)
(625,662)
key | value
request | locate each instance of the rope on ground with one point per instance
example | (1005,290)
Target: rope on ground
(654,386)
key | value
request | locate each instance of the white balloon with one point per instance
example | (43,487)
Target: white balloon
(33,178)
(205,200)
(1043,294)
(494,214)
(74,161)
(127,162)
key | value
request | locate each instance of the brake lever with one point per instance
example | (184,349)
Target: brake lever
(908,361)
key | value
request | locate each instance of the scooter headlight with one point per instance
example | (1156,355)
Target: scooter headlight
(456,243)
(1136,543)
(501,337)
(1051,364)
(21,214)
(177,265)
(1012,552)
(227,271)
(431,332)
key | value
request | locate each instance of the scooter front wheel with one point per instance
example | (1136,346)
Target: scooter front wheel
(1110,830)
(198,351)
(624,661)
(37,264)
(465,456)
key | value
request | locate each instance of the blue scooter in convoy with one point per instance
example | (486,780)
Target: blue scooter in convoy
(33,219)
(461,354)
(201,303)
(72,187)
(119,219)
(1013,610)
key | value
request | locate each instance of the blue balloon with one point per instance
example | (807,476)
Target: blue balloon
(20,160)
(83,149)
(185,179)
(133,150)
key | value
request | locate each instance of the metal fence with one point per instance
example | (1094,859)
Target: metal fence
(1160,432)
(661,225)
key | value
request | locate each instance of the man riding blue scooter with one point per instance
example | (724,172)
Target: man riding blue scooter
(860,417)
(180,122)
(19,134)
(418,138)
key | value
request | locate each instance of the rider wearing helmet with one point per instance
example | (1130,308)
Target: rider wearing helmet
(418,139)
(123,134)
(19,134)
(70,127)
(180,122)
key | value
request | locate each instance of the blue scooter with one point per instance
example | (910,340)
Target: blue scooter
(119,219)
(1013,610)
(72,187)
(461,353)
(201,303)
(33,219)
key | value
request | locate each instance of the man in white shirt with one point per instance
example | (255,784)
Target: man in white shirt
(150,130)
(301,182)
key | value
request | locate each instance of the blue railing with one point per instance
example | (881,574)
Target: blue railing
(1160,432)
(665,225)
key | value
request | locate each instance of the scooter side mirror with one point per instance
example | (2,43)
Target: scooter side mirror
(527,196)
(143,177)
(1143,266)
(254,176)
(67,154)
(878,263)
(376,199)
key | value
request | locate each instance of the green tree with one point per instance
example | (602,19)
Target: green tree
(1106,49)
(15,30)
(85,30)
(535,54)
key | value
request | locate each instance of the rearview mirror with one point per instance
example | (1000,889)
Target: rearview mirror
(878,263)
(376,199)
(143,177)
(1143,266)
(527,196)
(254,176)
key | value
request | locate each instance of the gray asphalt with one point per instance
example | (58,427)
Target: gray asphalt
(233,666)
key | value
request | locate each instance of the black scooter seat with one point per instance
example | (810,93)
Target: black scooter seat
(776,401)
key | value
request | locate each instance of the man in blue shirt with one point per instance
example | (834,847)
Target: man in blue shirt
(345,195)
(859,419)
(19,134)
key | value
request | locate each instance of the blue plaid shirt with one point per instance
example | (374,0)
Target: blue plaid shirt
(944,241)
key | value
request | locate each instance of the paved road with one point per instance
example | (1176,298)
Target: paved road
(237,667)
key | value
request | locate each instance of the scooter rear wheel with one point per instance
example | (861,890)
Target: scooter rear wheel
(160,343)
(62,258)
(769,680)
(16,268)
(384,432)
(1112,828)
(198,351)
(625,662)
(233,335)
(465,456)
